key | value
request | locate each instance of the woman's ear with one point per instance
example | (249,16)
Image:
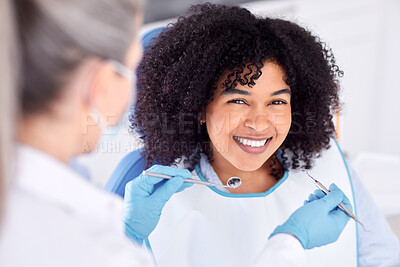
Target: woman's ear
(202,117)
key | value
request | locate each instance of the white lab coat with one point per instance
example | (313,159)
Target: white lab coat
(56,218)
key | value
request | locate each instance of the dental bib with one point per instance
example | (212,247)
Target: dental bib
(203,226)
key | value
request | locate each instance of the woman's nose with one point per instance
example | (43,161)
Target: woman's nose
(258,121)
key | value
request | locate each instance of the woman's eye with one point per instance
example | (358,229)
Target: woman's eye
(237,101)
(278,102)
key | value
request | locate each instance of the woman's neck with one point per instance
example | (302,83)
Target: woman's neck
(257,181)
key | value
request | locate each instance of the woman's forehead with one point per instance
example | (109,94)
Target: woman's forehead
(234,81)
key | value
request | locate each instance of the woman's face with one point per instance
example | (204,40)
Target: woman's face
(247,125)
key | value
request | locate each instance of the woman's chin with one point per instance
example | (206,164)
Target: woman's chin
(248,166)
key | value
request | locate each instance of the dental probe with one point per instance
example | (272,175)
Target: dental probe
(341,205)
(233,182)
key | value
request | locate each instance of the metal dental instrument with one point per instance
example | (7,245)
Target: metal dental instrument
(233,182)
(341,205)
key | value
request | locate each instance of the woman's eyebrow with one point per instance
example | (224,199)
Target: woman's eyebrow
(282,91)
(232,91)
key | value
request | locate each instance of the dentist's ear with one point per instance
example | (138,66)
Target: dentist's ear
(98,87)
(93,88)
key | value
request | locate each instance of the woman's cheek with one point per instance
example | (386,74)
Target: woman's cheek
(282,124)
(219,124)
(215,125)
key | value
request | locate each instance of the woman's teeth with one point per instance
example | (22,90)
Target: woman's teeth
(252,143)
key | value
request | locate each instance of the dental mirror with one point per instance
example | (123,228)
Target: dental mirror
(233,182)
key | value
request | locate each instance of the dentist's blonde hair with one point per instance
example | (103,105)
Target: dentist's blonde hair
(56,36)
(9,69)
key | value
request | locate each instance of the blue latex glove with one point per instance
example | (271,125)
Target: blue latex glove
(145,197)
(319,221)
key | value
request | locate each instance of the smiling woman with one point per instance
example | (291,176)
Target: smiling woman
(247,125)
(188,63)
(224,94)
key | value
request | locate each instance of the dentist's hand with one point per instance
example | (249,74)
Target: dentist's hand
(145,197)
(319,221)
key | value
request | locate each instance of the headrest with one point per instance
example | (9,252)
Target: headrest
(149,36)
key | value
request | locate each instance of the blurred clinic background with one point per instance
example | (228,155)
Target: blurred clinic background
(365,38)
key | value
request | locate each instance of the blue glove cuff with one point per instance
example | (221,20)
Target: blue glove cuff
(292,228)
(133,235)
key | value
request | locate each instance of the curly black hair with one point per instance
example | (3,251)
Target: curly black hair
(179,72)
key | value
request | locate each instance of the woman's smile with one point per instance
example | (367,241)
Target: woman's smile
(252,145)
